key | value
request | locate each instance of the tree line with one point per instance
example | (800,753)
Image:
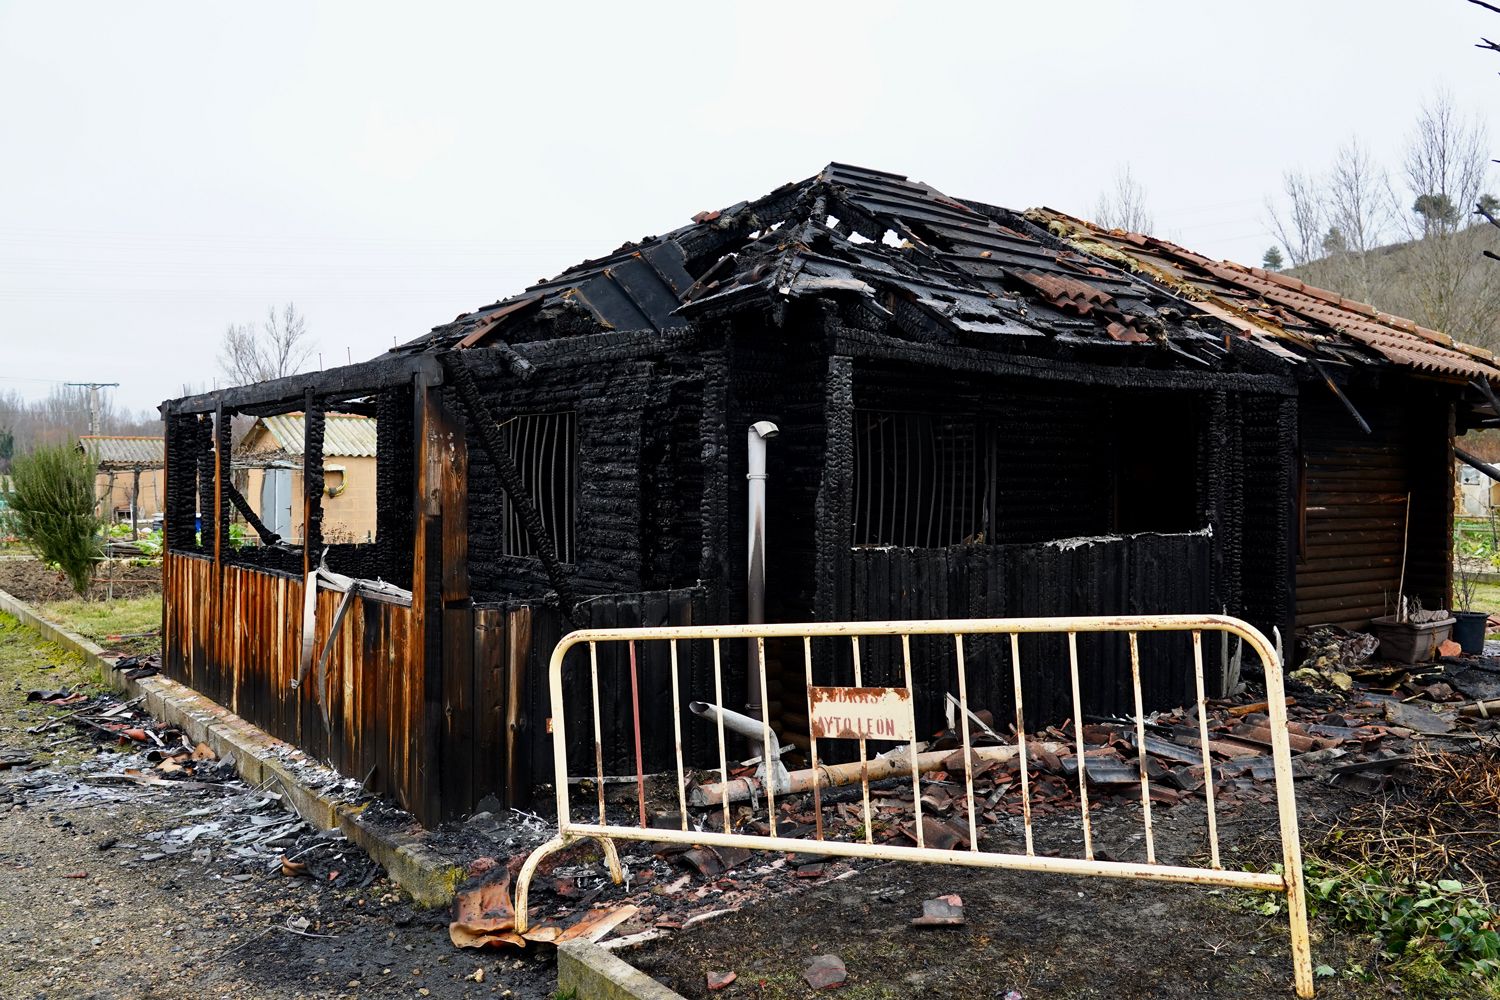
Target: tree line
(59,418)
(1409,241)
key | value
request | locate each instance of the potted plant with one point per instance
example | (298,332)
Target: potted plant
(1468,630)
(1411,635)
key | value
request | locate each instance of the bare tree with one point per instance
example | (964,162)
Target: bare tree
(1360,207)
(1446,170)
(279,348)
(1300,227)
(1124,206)
(1446,165)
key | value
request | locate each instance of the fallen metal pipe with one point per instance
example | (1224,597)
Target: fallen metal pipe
(749,728)
(1481,709)
(893,765)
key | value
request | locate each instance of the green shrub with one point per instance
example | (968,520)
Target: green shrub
(52,510)
(1424,928)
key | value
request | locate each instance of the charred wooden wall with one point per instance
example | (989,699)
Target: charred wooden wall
(1354,503)
(1137,574)
(236,638)
(639,461)
(1070,459)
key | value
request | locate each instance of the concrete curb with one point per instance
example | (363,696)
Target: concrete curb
(311,788)
(595,974)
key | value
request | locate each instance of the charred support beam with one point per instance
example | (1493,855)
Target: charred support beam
(836,493)
(422,685)
(350,380)
(457,687)
(181,479)
(221,478)
(204,459)
(713,560)
(1475,462)
(1364,425)
(865,344)
(267,536)
(313,420)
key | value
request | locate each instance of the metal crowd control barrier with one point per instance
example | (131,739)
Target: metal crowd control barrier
(882,710)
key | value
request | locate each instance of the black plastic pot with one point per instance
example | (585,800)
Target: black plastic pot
(1468,631)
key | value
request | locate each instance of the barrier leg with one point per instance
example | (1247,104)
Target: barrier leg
(1296,908)
(528,871)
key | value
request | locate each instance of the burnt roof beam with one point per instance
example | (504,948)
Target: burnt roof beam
(361,378)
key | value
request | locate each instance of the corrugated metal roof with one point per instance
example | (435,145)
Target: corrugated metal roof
(347,435)
(131,451)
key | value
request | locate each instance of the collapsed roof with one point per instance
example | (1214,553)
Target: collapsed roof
(935,267)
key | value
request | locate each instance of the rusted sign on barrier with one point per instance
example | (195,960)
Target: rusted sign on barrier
(854,713)
(886,715)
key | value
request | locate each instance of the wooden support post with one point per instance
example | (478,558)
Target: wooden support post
(420,693)
(168,590)
(135,503)
(457,675)
(219,491)
(836,493)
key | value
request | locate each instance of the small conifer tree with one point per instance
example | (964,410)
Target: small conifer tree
(52,510)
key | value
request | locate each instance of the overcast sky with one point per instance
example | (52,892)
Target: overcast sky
(169,168)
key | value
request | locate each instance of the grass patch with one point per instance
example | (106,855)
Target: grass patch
(1486,596)
(28,663)
(99,620)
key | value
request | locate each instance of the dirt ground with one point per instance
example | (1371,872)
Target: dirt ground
(101,898)
(104,892)
(31,581)
(1045,937)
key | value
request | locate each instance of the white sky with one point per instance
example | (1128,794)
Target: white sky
(169,168)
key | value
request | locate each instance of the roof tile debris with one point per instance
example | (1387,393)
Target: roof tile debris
(935,265)
(1263,303)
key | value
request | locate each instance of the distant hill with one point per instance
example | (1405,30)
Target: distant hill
(1444,283)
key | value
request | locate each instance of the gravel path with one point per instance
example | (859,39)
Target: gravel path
(109,889)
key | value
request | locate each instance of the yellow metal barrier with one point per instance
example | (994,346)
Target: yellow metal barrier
(864,713)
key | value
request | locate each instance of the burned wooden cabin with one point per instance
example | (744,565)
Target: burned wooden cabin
(979,412)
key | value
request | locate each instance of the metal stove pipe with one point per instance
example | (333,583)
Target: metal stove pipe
(755,589)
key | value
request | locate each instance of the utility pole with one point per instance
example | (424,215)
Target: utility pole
(93,388)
